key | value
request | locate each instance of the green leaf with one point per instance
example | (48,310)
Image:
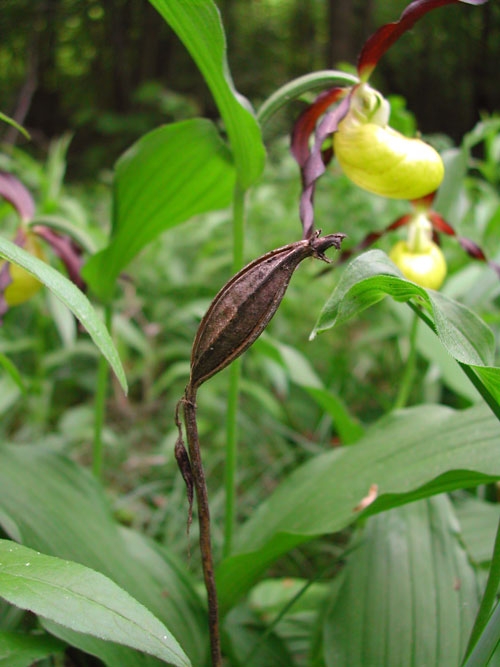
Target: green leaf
(54,506)
(12,122)
(19,649)
(168,176)
(251,644)
(12,371)
(408,595)
(198,25)
(72,297)
(302,374)
(478,524)
(412,454)
(372,276)
(84,600)
(487,642)
(110,653)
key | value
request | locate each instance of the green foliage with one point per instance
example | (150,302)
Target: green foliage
(368,458)
(86,601)
(182,168)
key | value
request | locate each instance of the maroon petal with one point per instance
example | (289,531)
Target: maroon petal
(376,45)
(471,248)
(66,251)
(374,236)
(16,194)
(440,224)
(306,122)
(315,164)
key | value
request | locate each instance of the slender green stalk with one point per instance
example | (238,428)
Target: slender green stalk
(409,371)
(488,600)
(234,384)
(100,405)
(297,87)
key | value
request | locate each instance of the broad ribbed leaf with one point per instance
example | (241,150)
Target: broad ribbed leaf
(372,276)
(478,523)
(83,600)
(412,454)
(165,178)
(409,593)
(72,297)
(54,506)
(198,25)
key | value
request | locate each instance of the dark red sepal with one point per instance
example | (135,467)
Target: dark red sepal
(315,164)
(306,122)
(16,194)
(65,249)
(376,45)
(372,237)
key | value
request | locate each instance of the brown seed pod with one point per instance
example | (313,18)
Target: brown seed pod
(242,309)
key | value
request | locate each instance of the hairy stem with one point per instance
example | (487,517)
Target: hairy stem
(200,486)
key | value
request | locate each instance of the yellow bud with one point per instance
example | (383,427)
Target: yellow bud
(426,268)
(385,162)
(23,285)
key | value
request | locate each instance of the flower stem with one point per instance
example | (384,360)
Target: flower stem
(297,87)
(239,199)
(200,486)
(100,404)
(409,371)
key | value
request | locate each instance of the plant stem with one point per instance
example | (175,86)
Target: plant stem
(100,404)
(200,486)
(409,371)
(489,597)
(297,87)
(234,383)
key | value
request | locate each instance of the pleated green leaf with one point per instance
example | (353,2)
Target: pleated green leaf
(52,505)
(198,25)
(372,276)
(83,600)
(168,176)
(412,454)
(409,594)
(72,297)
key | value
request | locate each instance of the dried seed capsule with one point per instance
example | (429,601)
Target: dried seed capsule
(242,309)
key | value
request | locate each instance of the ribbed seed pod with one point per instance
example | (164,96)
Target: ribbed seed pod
(242,309)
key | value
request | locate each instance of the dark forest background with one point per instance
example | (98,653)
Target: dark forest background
(109,70)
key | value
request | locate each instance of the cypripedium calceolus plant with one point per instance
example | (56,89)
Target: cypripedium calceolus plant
(352,123)
(16,284)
